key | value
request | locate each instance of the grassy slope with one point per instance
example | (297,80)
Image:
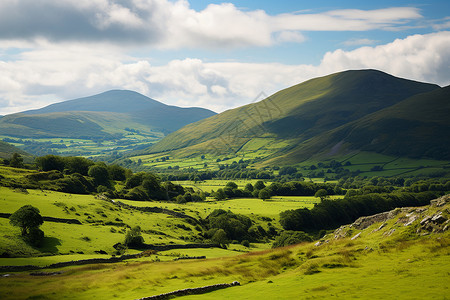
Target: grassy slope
(416,127)
(6,150)
(101,116)
(291,116)
(377,265)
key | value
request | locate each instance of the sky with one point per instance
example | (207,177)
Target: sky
(212,54)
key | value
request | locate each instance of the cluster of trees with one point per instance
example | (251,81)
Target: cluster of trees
(81,175)
(292,188)
(224,227)
(330,214)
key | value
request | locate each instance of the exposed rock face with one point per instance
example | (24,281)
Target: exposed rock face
(364,222)
(430,219)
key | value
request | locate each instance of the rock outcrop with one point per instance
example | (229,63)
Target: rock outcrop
(433,218)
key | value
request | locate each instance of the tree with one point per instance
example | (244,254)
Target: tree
(134,237)
(16,161)
(219,237)
(322,194)
(100,174)
(287,170)
(220,195)
(259,185)
(27,218)
(264,194)
(50,162)
(249,187)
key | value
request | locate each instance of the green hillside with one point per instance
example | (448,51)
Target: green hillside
(416,127)
(6,150)
(125,117)
(284,122)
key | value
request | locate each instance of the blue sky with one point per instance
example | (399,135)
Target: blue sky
(213,54)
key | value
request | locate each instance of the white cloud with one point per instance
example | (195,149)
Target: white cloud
(166,24)
(59,72)
(359,42)
(418,57)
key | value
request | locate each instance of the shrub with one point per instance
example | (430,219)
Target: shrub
(133,238)
(291,237)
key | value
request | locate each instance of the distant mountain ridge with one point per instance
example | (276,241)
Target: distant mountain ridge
(120,101)
(325,116)
(100,116)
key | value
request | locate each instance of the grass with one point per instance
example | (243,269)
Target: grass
(105,224)
(403,265)
(418,271)
(246,206)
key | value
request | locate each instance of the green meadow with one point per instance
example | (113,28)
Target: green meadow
(374,266)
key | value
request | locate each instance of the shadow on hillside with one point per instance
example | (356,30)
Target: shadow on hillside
(50,245)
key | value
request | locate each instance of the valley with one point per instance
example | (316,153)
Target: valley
(335,187)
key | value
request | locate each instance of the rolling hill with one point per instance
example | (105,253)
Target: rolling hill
(100,116)
(117,115)
(7,150)
(416,127)
(316,116)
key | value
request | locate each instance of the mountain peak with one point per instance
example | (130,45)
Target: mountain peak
(120,101)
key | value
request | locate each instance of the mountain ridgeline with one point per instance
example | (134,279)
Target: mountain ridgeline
(100,116)
(340,113)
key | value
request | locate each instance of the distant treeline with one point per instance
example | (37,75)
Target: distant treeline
(329,214)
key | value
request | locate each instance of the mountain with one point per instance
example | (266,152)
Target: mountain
(291,124)
(416,127)
(100,116)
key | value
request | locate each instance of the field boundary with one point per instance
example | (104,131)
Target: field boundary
(49,219)
(192,291)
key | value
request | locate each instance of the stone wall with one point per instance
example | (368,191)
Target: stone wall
(155,209)
(48,219)
(192,291)
(178,246)
(113,259)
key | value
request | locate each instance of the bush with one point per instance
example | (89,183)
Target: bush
(133,238)
(290,238)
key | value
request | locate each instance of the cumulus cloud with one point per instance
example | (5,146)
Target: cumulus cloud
(59,72)
(418,57)
(166,24)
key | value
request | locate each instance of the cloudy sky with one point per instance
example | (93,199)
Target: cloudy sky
(210,54)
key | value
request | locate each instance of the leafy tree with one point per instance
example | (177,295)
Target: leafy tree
(16,161)
(50,162)
(27,217)
(219,237)
(75,164)
(231,185)
(236,226)
(100,174)
(264,194)
(322,194)
(249,187)
(220,195)
(259,185)
(287,170)
(133,238)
